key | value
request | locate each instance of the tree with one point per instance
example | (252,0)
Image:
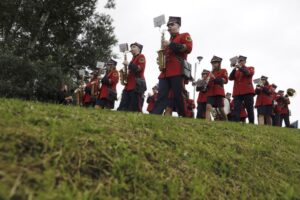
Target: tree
(67,34)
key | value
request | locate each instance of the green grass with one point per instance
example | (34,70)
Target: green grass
(56,152)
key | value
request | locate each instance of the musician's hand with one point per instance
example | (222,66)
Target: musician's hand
(125,62)
(166,43)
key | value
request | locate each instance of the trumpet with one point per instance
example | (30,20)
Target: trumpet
(234,62)
(202,83)
(260,83)
(161,59)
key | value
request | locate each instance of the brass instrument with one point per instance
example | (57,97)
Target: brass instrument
(124,72)
(290,92)
(79,92)
(260,83)
(94,88)
(161,59)
(234,62)
(203,83)
(96,84)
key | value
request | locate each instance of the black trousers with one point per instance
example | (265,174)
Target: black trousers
(286,119)
(248,100)
(276,119)
(131,101)
(201,110)
(165,85)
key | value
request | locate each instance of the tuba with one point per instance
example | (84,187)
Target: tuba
(290,92)
(161,59)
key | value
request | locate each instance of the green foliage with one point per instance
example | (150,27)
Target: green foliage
(22,78)
(49,37)
(57,152)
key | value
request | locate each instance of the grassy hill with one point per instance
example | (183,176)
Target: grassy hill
(56,152)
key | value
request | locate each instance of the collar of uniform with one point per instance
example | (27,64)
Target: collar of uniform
(136,55)
(216,70)
(174,35)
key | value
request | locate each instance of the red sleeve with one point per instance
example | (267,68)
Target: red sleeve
(187,40)
(251,70)
(225,76)
(141,62)
(114,78)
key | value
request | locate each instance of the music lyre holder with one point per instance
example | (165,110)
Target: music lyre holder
(124,48)
(159,21)
(81,72)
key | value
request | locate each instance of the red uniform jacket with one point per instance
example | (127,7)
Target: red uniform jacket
(264,96)
(279,99)
(91,83)
(243,112)
(173,65)
(151,102)
(87,97)
(242,83)
(285,107)
(217,89)
(202,97)
(113,78)
(140,61)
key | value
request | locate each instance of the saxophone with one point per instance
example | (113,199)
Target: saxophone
(96,84)
(124,72)
(161,59)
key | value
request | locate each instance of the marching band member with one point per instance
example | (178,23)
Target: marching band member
(172,77)
(108,92)
(89,99)
(284,113)
(215,89)
(63,96)
(132,96)
(227,100)
(278,107)
(243,90)
(152,99)
(190,105)
(275,119)
(243,113)
(264,102)
(202,98)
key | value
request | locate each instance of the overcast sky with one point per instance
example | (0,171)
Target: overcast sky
(266,31)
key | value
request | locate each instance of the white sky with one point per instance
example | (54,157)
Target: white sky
(266,31)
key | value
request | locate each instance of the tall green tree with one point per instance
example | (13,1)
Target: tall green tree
(68,34)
